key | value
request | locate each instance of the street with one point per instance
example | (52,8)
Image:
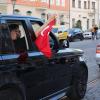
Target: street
(89,47)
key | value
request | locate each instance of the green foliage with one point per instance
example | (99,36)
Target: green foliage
(78,24)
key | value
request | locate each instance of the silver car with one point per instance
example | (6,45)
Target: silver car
(87,35)
(98,54)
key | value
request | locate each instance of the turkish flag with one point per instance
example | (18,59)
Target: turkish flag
(42,41)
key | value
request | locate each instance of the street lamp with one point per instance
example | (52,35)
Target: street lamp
(13,4)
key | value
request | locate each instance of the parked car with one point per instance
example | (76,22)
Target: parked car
(62,35)
(26,74)
(87,34)
(75,33)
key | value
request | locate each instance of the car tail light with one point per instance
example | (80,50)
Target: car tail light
(98,49)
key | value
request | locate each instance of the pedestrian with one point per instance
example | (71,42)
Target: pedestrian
(96,29)
(94,32)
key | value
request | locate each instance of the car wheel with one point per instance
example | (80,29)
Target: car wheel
(10,94)
(82,38)
(79,84)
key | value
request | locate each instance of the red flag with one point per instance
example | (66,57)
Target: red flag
(42,41)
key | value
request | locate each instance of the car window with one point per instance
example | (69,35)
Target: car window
(21,43)
(6,45)
(36,25)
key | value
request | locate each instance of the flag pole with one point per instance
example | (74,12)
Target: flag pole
(45,24)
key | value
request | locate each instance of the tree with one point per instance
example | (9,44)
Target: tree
(78,24)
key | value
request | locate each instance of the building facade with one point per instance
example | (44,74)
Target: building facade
(84,13)
(72,13)
(40,8)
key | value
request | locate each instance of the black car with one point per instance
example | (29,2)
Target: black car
(75,34)
(26,74)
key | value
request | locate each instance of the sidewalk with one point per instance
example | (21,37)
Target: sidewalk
(93,90)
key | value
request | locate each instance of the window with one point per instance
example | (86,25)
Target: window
(79,3)
(93,22)
(57,2)
(73,22)
(6,45)
(63,2)
(88,4)
(73,3)
(36,26)
(20,41)
(93,5)
(43,0)
(51,1)
(17,12)
(29,13)
(85,5)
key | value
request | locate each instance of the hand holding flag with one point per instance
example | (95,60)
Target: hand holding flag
(42,41)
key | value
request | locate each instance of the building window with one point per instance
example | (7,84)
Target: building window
(58,2)
(51,1)
(93,5)
(17,12)
(84,4)
(73,22)
(73,3)
(43,0)
(88,4)
(93,22)
(79,3)
(63,2)
(29,13)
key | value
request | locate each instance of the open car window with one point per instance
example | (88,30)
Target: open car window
(6,45)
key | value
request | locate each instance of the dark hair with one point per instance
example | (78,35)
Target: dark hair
(96,28)
(13,27)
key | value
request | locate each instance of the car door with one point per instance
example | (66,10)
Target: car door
(18,62)
(50,76)
(26,62)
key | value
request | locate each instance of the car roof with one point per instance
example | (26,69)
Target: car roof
(20,16)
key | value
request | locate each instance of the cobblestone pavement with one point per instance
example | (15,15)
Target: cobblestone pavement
(93,90)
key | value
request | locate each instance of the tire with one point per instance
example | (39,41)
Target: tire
(82,38)
(79,83)
(10,94)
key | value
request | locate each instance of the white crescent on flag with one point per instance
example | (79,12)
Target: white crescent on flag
(42,32)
